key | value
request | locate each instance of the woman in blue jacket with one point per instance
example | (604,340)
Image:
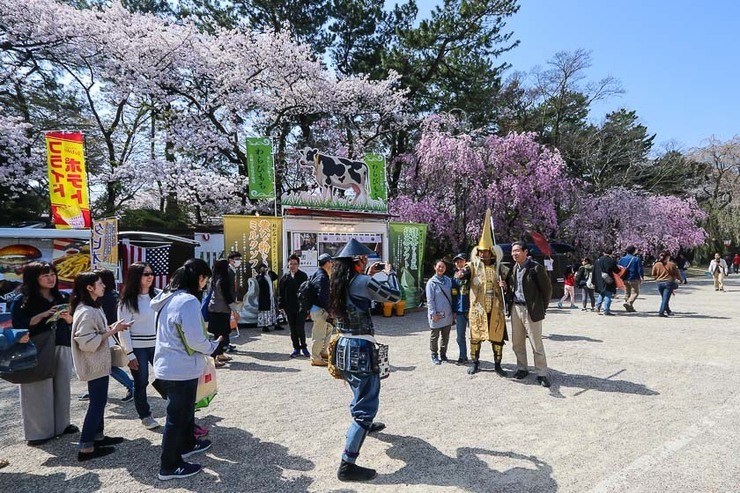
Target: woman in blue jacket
(440,312)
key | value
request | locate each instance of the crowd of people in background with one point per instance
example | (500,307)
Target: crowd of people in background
(165,330)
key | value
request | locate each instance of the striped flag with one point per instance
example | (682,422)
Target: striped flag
(157,257)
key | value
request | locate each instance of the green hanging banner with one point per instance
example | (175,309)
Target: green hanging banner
(376,169)
(406,243)
(260,168)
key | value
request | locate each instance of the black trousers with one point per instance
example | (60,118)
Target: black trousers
(297,324)
(178,436)
(219,324)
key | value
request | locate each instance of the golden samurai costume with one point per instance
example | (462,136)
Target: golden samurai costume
(486,315)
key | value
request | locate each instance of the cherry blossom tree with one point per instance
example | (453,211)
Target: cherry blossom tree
(170,107)
(621,217)
(453,177)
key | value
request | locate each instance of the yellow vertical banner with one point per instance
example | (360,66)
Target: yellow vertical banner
(258,239)
(104,245)
(68,191)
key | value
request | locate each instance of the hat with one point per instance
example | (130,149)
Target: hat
(486,239)
(354,248)
(324,258)
(461,256)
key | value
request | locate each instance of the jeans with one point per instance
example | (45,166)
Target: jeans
(92,428)
(145,357)
(461,324)
(363,408)
(297,324)
(666,290)
(604,297)
(120,376)
(178,436)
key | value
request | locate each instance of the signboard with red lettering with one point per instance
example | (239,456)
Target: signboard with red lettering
(68,180)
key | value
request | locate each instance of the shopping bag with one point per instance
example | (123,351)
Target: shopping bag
(207,386)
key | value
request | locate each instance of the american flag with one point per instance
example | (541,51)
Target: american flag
(157,257)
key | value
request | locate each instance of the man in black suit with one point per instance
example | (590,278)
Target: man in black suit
(288,302)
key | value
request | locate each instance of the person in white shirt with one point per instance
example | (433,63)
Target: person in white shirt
(134,306)
(718,269)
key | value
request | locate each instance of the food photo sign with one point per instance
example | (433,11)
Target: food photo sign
(69,257)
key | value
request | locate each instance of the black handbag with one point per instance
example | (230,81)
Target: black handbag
(18,357)
(45,344)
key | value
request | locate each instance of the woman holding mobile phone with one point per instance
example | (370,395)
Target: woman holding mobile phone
(439,307)
(41,308)
(139,341)
(92,360)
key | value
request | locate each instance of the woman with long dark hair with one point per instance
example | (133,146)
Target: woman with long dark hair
(139,341)
(109,304)
(42,308)
(221,308)
(92,360)
(179,360)
(351,293)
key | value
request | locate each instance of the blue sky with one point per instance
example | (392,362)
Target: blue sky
(678,60)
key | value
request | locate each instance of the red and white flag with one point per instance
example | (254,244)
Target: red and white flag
(157,257)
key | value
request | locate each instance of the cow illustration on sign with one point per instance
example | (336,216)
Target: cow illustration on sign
(333,172)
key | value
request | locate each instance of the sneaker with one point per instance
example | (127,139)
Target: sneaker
(544,381)
(84,397)
(200,446)
(278,327)
(128,397)
(435,359)
(609,314)
(149,423)
(573,307)
(353,472)
(295,353)
(265,329)
(305,353)
(199,431)
(560,305)
(184,471)
(376,427)
(231,347)
(584,309)
(500,371)
(443,358)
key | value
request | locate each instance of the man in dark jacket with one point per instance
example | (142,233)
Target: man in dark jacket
(321,332)
(604,268)
(288,302)
(530,286)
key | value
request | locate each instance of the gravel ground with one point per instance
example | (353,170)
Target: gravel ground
(637,404)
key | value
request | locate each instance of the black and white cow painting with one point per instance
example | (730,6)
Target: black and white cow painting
(333,172)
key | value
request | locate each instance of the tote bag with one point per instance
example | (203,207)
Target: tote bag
(207,385)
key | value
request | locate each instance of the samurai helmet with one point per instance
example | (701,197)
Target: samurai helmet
(486,239)
(354,248)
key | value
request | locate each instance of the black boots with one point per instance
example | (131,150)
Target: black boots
(353,472)
(473,369)
(501,372)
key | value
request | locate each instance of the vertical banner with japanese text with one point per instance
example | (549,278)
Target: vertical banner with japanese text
(258,239)
(260,168)
(406,251)
(376,170)
(104,246)
(65,156)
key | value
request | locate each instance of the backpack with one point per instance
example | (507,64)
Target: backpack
(307,295)
(204,305)
(590,280)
